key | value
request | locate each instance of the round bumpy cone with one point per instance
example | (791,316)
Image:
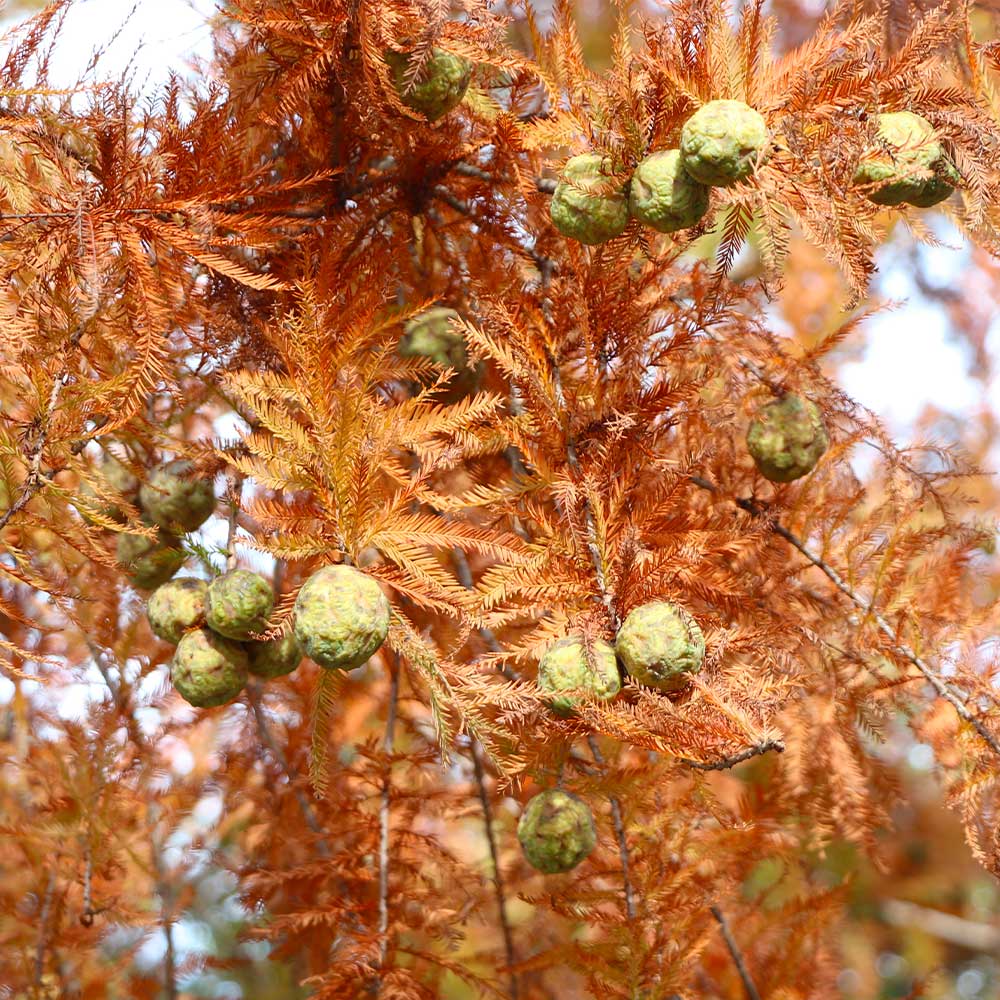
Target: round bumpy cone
(787,438)
(565,666)
(149,562)
(661,645)
(589,205)
(722,142)
(341,617)
(119,478)
(440,84)
(207,669)
(663,196)
(556,831)
(431,335)
(238,604)
(274,658)
(175,498)
(176,607)
(909,163)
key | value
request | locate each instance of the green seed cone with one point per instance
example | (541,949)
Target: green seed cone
(208,670)
(556,831)
(150,562)
(908,164)
(661,645)
(663,196)
(175,607)
(440,86)
(787,438)
(275,657)
(431,335)
(341,617)
(176,499)
(566,666)
(238,604)
(116,476)
(722,142)
(589,205)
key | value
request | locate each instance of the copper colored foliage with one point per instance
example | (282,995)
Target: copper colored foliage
(220,274)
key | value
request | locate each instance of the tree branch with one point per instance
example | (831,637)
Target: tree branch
(619,826)
(290,772)
(868,609)
(484,801)
(736,954)
(388,745)
(727,762)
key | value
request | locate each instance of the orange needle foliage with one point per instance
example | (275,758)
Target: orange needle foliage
(221,272)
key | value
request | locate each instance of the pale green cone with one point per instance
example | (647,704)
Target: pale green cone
(432,335)
(787,438)
(176,498)
(341,617)
(275,657)
(565,666)
(556,831)
(722,143)
(661,645)
(589,205)
(908,163)
(208,670)
(663,196)
(175,607)
(238,604)
(440,86)
(150,562)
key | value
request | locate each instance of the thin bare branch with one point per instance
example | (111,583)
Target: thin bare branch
(619,827)
(869,611)
(484,800)
(737,955)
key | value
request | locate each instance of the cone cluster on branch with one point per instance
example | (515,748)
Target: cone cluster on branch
(721,144)
(173,500)
(213,625)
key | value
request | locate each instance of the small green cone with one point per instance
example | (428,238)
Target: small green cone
(556,831)
(341,617)
(661,645)
(589,205)
(208,670)
(440,86)
(175,607)
(176,499)
(663,196)
(722,143)
(787,438)
(566,666)
(150,562)
(238,604)
(274,657)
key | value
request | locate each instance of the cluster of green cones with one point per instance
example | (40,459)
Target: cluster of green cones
(220,628)
(659,644)
(721,144)
(173,499)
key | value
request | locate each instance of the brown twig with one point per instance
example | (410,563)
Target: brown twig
(484,800)
(43,929)
(34,480)
(388,745)
(235,498)
(287,768)
(619,827)
(727,762)
(736,954)
(868,610)
(544,264)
